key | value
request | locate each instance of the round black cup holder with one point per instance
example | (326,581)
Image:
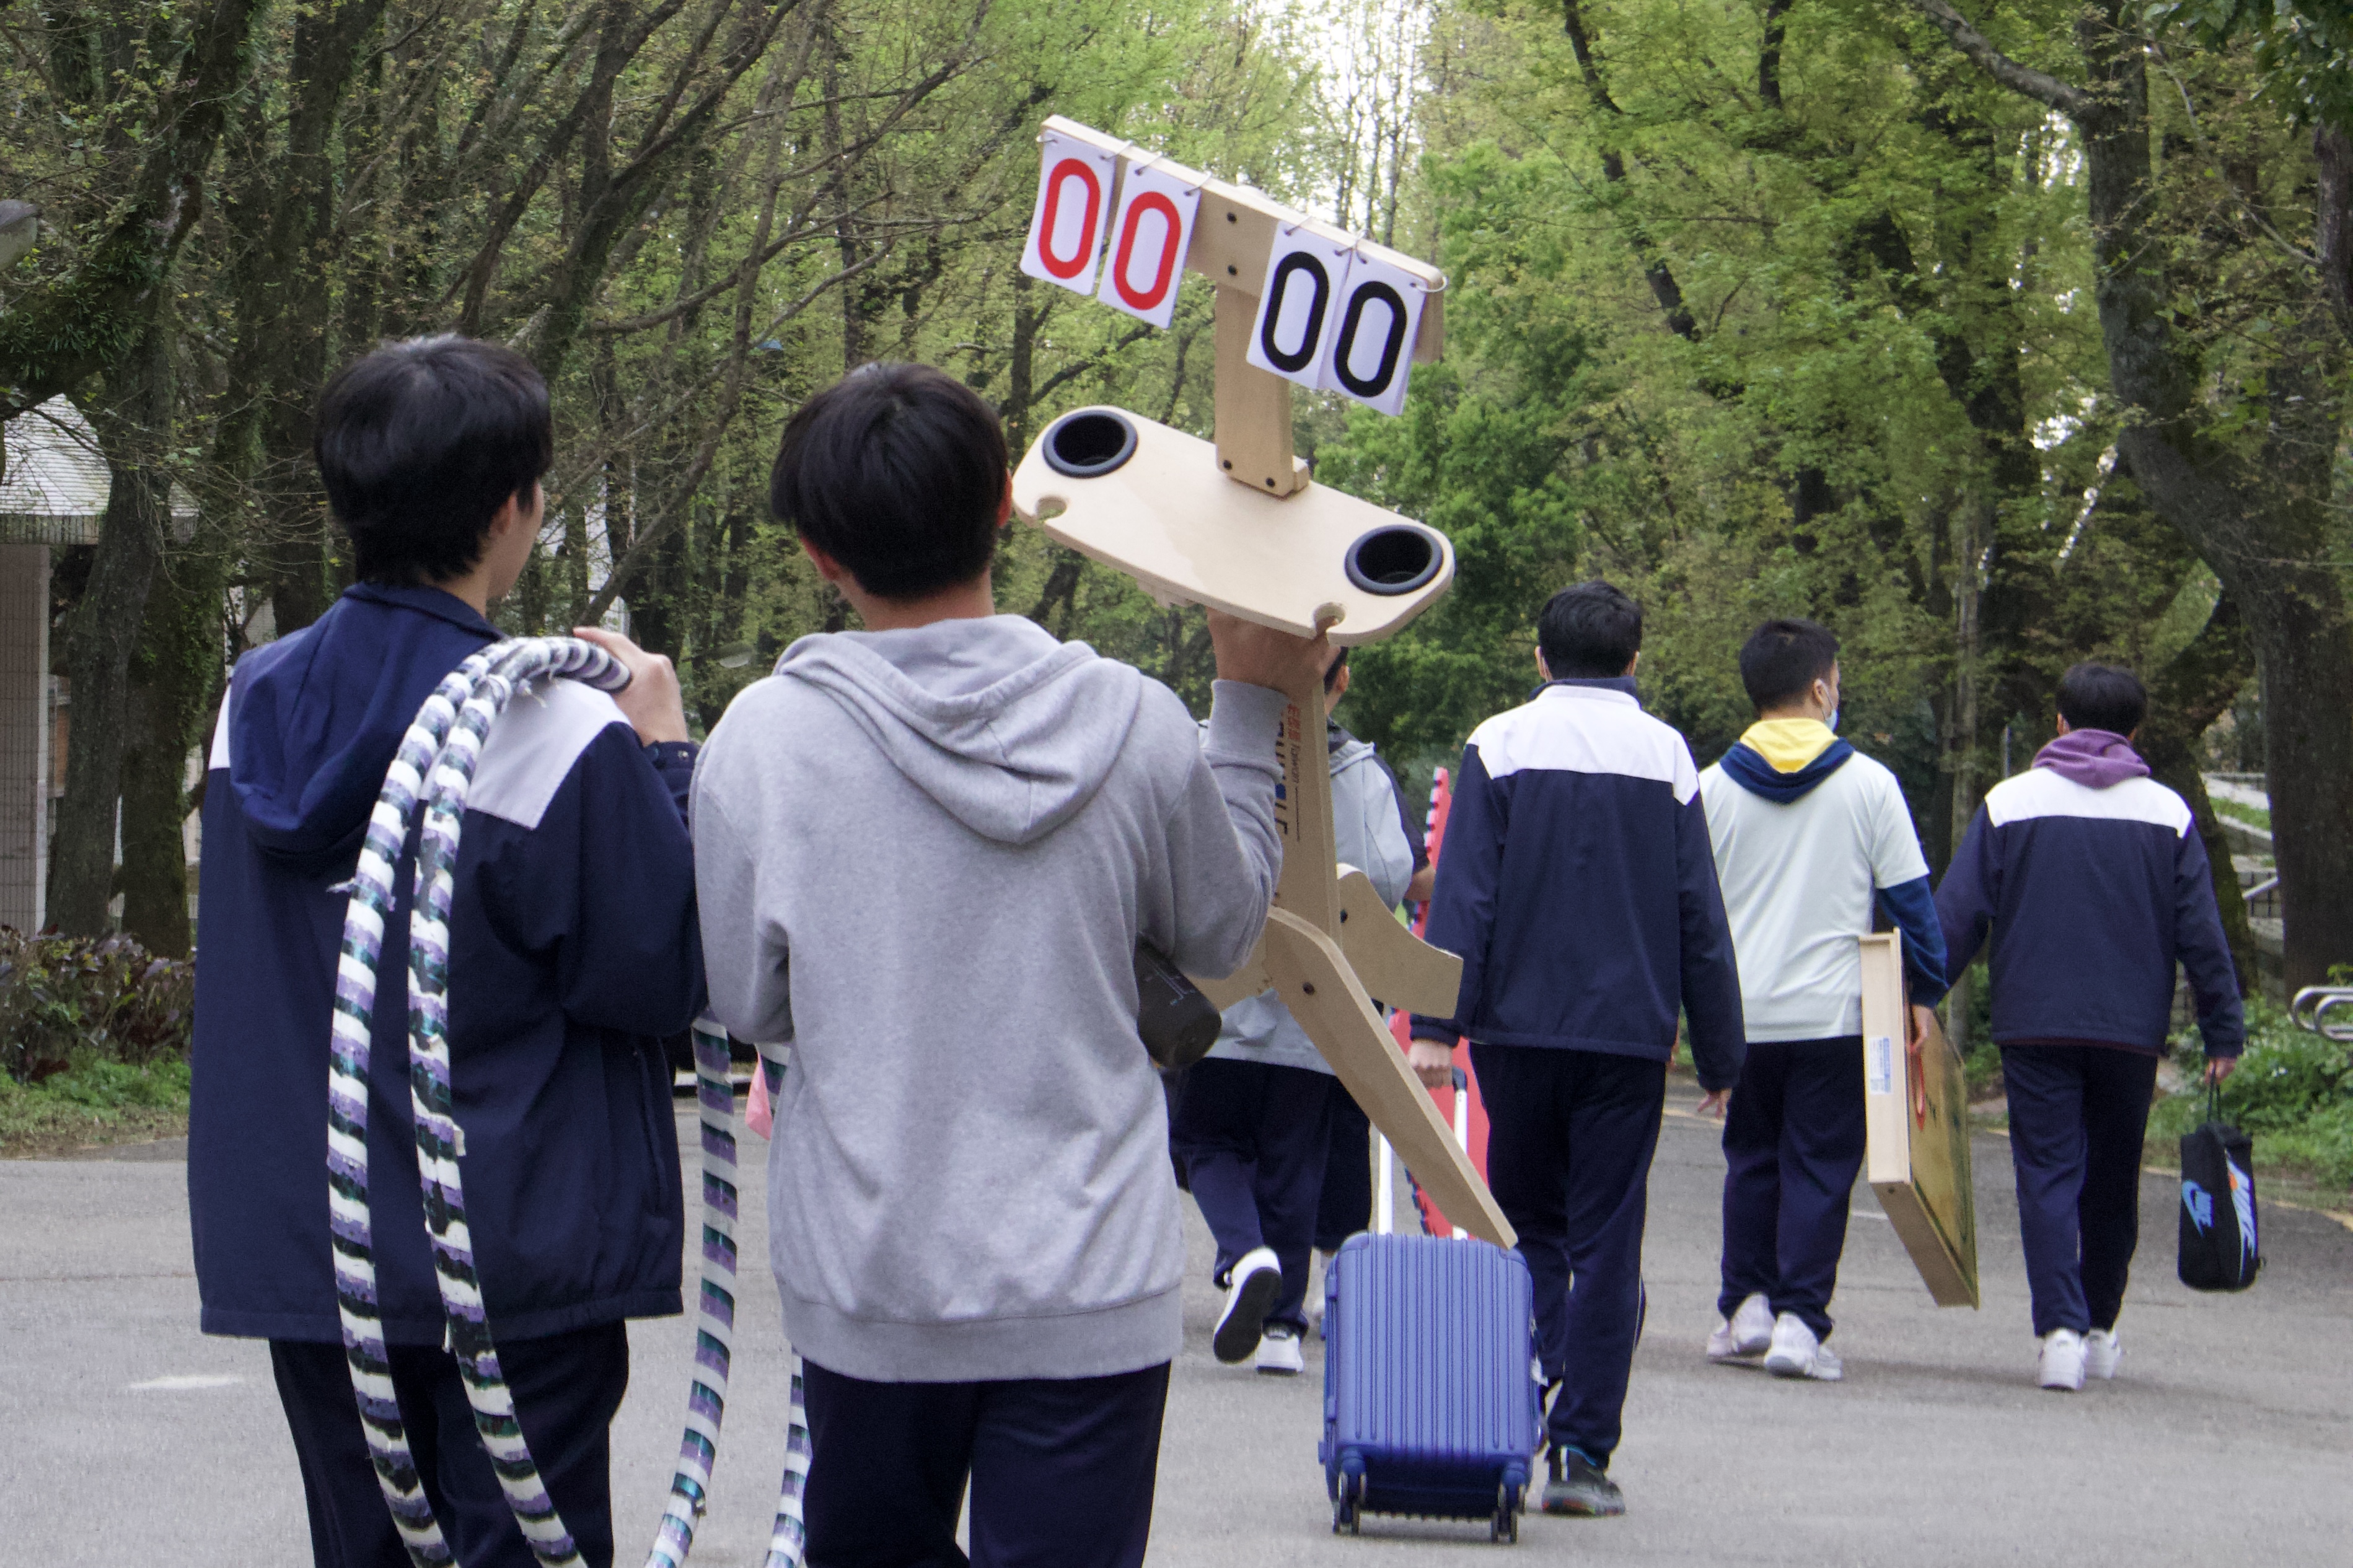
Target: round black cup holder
(1089,443)
(1395,559)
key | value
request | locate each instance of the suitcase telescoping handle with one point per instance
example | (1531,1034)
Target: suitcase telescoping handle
(1385,1172)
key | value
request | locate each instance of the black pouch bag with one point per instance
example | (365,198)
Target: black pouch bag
(1176,1022)
(2219,1246)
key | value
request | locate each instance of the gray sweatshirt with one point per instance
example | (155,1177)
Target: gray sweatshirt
(924,858)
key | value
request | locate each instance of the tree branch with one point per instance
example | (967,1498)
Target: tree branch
(2066,98)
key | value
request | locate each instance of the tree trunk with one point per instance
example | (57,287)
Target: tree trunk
(1961,739)
(300,270)
(133,425)
(2185,698)
(2262,526)
(2302,649)
(174,693)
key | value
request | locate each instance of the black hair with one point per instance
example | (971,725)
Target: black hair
(896,471)
(1332,671)
(1782,659)
(420,443)
(1589,632)
(2102,697)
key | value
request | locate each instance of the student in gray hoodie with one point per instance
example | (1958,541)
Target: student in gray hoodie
(925,853)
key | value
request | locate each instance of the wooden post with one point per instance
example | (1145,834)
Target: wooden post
(1253,405)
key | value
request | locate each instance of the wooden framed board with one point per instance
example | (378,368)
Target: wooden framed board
(1917,1127)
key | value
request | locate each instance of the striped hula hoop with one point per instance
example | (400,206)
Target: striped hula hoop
(435,766)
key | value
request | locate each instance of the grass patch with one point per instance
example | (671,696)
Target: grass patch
(2293,1094)
(2252,815)
(93,1100)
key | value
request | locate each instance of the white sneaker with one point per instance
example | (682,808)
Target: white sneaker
(1746,1334)
(1797,1353)
(2101,1354)
(1252,1286)
(2060,1366)
(1277,1351)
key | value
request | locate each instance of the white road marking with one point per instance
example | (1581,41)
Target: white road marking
(185,1380)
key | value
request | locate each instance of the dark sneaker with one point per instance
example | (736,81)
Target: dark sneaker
(1577,1488)
(1252,1288)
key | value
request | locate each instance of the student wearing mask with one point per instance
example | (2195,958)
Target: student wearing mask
(1812,840)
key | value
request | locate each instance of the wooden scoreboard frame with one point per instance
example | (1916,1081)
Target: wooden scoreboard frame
(1916,1132)
(1237,525)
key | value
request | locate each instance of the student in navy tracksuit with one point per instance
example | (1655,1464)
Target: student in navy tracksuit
(1578,888)
(2094,883)
(574,950)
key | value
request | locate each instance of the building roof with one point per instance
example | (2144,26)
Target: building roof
(55,488)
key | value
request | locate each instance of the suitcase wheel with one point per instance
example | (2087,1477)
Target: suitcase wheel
(1505,1527)
(1347,1506)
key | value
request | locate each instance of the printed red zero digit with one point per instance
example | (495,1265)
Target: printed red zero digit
(1050,218)
(1123,253)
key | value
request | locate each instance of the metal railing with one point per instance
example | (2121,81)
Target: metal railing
(2314,1003)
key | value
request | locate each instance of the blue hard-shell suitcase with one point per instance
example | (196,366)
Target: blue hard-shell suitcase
(1431,1402)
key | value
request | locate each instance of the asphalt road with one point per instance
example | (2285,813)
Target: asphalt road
(127,1437)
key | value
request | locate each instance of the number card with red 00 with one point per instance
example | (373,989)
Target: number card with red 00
(1074,185)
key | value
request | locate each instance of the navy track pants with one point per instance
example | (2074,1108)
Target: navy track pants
(566,1387)
(1346,1206)
(1251,1137)
(1062,1470)
(2077,1118)
(1570,1140)
(1793,1144)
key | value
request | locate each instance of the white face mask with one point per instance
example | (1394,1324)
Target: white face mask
(1832,722)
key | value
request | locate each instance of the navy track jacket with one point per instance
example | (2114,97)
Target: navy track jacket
(2093,895)
(574,950)
(1578,885)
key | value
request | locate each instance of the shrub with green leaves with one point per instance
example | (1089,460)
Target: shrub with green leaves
(69,1002)
(2292,1092)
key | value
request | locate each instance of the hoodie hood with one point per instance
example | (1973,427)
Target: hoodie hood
(318,715)
(1783,759)
(2093,758)
(1345,750)
(1009,731)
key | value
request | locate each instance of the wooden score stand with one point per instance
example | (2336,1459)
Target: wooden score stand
(1916,1132)
(1237,525)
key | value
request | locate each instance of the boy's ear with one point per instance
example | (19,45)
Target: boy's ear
(827,566)
(1004,502)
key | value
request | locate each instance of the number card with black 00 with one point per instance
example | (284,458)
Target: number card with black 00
(1916,1132)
